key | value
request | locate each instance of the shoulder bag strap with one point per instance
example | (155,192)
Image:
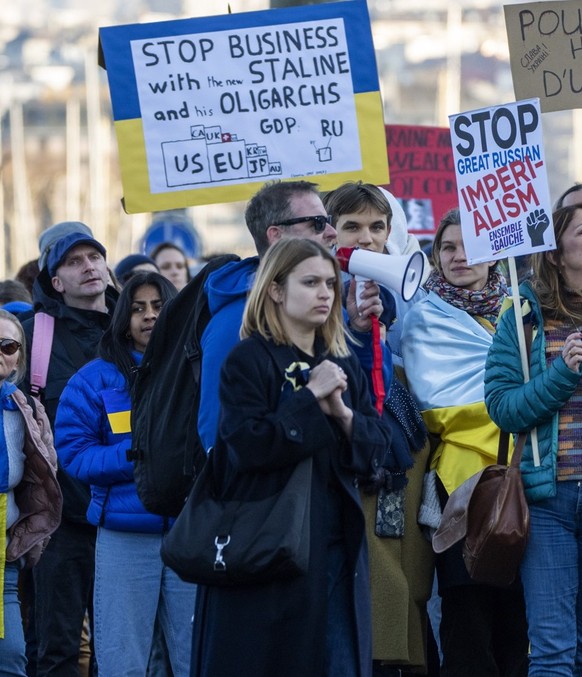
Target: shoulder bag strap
(42,342)
(503,449)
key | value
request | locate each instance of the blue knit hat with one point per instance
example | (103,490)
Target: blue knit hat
(62,247)
(124,268)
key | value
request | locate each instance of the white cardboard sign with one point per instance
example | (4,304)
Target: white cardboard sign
(502,183)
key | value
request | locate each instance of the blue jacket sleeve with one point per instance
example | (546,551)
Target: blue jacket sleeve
(218,339)
(516,406)
(84,442)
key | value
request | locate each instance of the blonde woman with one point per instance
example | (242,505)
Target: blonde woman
(30,497)
(271,419)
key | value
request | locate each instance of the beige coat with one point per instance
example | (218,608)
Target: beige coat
(38,495)
(401,576)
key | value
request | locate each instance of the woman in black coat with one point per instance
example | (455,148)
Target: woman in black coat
(291,390)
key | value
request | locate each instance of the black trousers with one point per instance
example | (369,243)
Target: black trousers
(483,632)
(63,587)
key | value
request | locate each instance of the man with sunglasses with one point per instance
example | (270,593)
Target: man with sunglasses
(277,210)
(73,288)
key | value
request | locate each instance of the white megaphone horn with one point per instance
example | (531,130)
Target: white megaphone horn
(401,273)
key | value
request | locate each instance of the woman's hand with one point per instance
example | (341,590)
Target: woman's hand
(334,406)
(572,351)
(327,382)
(325,378)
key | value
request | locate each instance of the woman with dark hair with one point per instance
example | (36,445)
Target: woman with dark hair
(271,419)
(445,340)
(92,430)
(551,402)
(173,264)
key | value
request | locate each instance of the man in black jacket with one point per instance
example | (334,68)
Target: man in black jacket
(73,288)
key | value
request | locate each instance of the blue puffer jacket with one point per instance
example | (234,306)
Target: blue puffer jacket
(94,399)
(517,406)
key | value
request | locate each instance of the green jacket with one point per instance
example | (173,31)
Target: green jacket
(516,406)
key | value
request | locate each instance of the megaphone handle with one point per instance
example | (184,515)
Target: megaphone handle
(360,286)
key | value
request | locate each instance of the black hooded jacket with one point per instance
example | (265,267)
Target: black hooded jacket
(75,341)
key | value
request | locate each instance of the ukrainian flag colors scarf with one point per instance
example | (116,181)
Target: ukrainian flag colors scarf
(444,351)
(6,402)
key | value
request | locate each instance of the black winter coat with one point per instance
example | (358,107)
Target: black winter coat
(279,628)
(83,329)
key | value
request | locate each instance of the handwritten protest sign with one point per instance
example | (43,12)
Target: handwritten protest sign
(545,47)
(502,183)
(422,174)
(206,109)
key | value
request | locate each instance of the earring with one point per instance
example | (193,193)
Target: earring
(127,335)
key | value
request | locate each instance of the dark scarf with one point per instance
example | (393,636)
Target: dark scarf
(408,432)
(484,302)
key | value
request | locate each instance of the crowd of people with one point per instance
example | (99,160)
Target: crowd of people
(395,402)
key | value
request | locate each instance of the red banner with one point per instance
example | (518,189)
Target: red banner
(422,174)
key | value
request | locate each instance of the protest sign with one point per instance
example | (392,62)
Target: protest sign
(207,109)
(502,183)
(545,48)
(422,174)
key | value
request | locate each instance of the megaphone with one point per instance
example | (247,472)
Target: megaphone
(401,273)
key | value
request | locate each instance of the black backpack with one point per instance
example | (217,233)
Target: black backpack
(165,396)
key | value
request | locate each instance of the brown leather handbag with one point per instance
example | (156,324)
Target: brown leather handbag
(490,511)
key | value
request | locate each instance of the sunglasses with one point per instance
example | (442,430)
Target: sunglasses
(9,346)
(320,222)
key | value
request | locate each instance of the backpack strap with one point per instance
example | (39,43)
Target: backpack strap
(42,343)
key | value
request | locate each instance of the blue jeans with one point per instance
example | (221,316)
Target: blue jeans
(12,650)
(551,575)
(132,585)
(433,609)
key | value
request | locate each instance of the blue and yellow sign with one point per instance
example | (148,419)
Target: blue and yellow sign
(206,110)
